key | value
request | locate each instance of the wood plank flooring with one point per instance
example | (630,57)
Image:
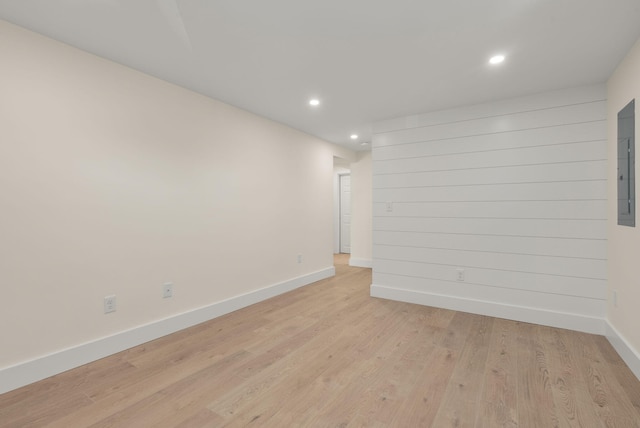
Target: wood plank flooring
(329,355)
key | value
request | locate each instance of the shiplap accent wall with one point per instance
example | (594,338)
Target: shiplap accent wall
(512,192)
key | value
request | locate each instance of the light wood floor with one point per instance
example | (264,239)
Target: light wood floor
(328,355)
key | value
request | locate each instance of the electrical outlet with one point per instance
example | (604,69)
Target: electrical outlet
(389,206)
(167,290)
(299,258)
(460,274)
(109,304)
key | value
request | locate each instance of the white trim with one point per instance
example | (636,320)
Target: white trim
(22,374)
(566,320)
(628,354)
(365,263)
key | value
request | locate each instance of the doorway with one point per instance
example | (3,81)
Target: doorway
(345,213)
(341,167)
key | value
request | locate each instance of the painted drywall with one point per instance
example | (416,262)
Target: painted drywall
(497,209)
(114,182)
(361,215)
(624,242)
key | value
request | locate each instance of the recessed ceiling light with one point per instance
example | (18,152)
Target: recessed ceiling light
(497,59)
(354,136)
(314,102)
(364,143)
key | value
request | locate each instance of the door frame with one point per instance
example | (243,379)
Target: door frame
(340,207)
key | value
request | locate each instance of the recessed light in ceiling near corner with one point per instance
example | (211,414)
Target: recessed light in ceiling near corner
(354,136)
(497,59)
(314,102)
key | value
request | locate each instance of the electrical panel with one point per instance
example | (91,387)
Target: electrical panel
(626,166)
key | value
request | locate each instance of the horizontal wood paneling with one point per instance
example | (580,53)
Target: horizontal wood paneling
(585,229)
(564,134)
(558,116)
(554,191)
(539,173)
(566,209)
(529,103)
(504,295)
(388,271)
(575,152)
(560,247)
(549,265)
(512,192)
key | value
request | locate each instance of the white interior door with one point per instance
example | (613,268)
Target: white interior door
(345,214)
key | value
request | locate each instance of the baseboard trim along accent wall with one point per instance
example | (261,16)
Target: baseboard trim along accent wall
(549,318)
(41,368)
(356,262)
(630,356)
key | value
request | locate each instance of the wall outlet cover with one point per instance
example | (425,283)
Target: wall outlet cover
(109,304)
(167,290)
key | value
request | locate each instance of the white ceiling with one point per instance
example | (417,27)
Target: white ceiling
(366,60)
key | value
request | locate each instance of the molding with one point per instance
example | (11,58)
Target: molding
(364,263)
(593,325)
(27,372)
(627,352)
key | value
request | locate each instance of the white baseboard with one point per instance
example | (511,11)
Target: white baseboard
(565,320)
(628,354)
(356,262)
(22,374)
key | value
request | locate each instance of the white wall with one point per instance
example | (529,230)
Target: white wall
(114,182)
(513,192)
(624,242)
(361,227)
